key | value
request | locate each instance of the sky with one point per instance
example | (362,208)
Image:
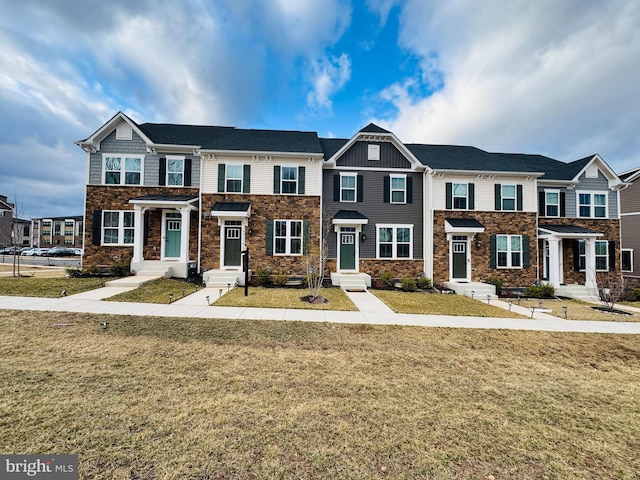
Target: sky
(557,78)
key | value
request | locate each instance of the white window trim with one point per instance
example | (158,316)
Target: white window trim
(124,131)
(167,173)
(282,179)
(453,196)
(509,252)
(592,206)
(123,171)
(394,249)
(355,187)
(630,250)
(503,197)
(288,238)
(121,228)
(373,152)
(404,190)
(226,177)
(546,203)
(583,256)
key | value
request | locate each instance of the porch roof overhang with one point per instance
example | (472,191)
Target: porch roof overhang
(567,231)
(463,225)
(349,217)
(166,201)
(231,209)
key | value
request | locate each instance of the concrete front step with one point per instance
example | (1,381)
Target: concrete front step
(223,278)
(475,290)
(351,281)
(578,292)
(353,284)
(133,281)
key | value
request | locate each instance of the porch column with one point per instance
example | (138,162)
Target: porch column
(138,233)
(590,262)
(554,261)
(185,219)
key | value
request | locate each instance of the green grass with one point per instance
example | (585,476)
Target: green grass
(285,298)
(168,398)
(156,291)
(577,310)
(440,304)
(46,287)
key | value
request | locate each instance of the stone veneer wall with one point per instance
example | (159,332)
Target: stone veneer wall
(609,227)
(495,223)
(373,267)
(263,208)
(103,197)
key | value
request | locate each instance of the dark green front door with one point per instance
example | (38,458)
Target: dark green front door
(172,238)
(232,246)
(459,253)
(347,251)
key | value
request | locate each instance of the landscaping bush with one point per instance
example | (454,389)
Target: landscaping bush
(264,276)
(498,283)
(409,285)
(544,290)
(424,283)
(121,268)
(73,272)
(386,279)
(280,279)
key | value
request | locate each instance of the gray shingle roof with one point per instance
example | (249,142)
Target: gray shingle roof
(231,138)
(464,223)
(373,128)
(349,215)
(231,207)
(568,229)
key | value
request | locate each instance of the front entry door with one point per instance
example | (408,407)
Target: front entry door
(232,246)
(459,254)
(347,250)
(172,237)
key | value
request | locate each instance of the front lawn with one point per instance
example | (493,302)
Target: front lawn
(168,398)
(46,287)
(336,298)
(157,291)
(577,310)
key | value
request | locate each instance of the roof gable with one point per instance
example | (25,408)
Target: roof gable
(92,142)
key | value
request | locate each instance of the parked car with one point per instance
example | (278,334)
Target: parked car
(29,252)
(60,252)
(78,251)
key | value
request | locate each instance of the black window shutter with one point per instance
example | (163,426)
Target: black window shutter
(472,196)
(409,189)
(498,196)
(563,201)
(336,187)
(246,179)
(306,237)
(187,172)
(526,252)
(386,189)
(301,180)
(612,255)
(163,172)
(449,195)
(276,179)
(360,186)
(269,237)
(221,177)
(576,255)
(542,204)
(492,252)
(97,228)
(519,197)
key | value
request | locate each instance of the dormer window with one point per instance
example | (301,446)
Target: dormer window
(373,152)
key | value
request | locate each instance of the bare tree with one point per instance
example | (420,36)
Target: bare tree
(611,287)
(315,260)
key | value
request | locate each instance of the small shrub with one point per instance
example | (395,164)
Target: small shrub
(92,269)
(498,283)
(544,290)
(280,279)
(409,285)
(386,279)
(73,272)
(264,276)
(424,283)
(121,268)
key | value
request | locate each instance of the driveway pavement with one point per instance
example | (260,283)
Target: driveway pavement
(371,311)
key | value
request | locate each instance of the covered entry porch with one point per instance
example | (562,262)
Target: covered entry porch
(161,242)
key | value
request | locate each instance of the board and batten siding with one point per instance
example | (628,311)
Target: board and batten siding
(357,156)
(376,211)
(262,173)
(484,196)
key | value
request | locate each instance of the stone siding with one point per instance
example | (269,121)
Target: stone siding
(373,267)
(495,223)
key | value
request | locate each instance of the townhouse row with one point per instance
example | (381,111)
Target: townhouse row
(182,199)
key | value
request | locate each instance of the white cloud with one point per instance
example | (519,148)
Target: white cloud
(558,78)
(329,75)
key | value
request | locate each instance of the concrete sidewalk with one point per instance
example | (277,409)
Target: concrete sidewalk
(371,311)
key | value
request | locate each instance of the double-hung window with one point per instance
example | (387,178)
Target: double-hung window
(122,170)
(117,227)
(398,188)
(508,197)
(592,205)
(509,251)
(175,172)
(552,203)
(287,237)
(289,180)
(627,259)
(395,241)
(601,255)
(348,186)
(460,196)
(234,178)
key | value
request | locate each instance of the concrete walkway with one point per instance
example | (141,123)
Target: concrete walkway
(371,311)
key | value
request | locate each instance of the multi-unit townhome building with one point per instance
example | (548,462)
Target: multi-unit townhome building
(6,221)
(182,199)
(630,227)
(56,231)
